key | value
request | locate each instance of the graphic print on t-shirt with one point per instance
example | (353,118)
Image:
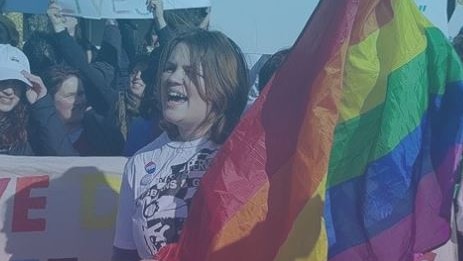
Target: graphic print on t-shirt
(165,204)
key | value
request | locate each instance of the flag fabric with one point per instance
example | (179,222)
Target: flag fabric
(350,153)
(397,143)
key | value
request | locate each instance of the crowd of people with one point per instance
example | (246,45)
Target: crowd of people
(104,99)
(169,108)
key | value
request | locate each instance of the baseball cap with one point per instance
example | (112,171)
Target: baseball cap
(12,62)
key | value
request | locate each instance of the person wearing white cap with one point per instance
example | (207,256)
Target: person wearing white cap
(24,102)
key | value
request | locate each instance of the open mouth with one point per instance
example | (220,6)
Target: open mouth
(175,96)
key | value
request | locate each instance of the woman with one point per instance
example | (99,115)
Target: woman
(203,82)
(28,121)
(91,134)
(145,128)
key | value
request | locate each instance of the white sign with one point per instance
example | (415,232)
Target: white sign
(456,23)
(60,209)
(436,12)
(97,9)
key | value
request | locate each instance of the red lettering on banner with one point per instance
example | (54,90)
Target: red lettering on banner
(3,184)
(23,202)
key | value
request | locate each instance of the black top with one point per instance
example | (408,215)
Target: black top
(46,133)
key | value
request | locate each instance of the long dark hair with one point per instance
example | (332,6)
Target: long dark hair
(55,75)
(13,124)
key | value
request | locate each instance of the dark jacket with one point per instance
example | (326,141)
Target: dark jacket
(46,133)
(99,137)
(105,78)
(97,76)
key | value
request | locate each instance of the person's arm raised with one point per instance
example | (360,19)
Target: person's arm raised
(57,19)
(157,8)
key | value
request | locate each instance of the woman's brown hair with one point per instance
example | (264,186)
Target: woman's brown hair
(225,78)
(56,75)
(13,124)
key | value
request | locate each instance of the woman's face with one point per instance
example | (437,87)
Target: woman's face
(10,95)
(182,104)
(70,101)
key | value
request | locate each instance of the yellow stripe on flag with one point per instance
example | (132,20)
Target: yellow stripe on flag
(376,57)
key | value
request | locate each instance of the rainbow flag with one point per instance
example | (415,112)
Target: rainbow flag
(349,154)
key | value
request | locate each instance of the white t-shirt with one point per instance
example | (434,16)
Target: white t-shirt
(157,188)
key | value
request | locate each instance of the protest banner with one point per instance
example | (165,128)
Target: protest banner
(98,9)
(58,208)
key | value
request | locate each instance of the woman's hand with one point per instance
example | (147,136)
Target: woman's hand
(157,8)
(56,17)
(205,22)
(38,89)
